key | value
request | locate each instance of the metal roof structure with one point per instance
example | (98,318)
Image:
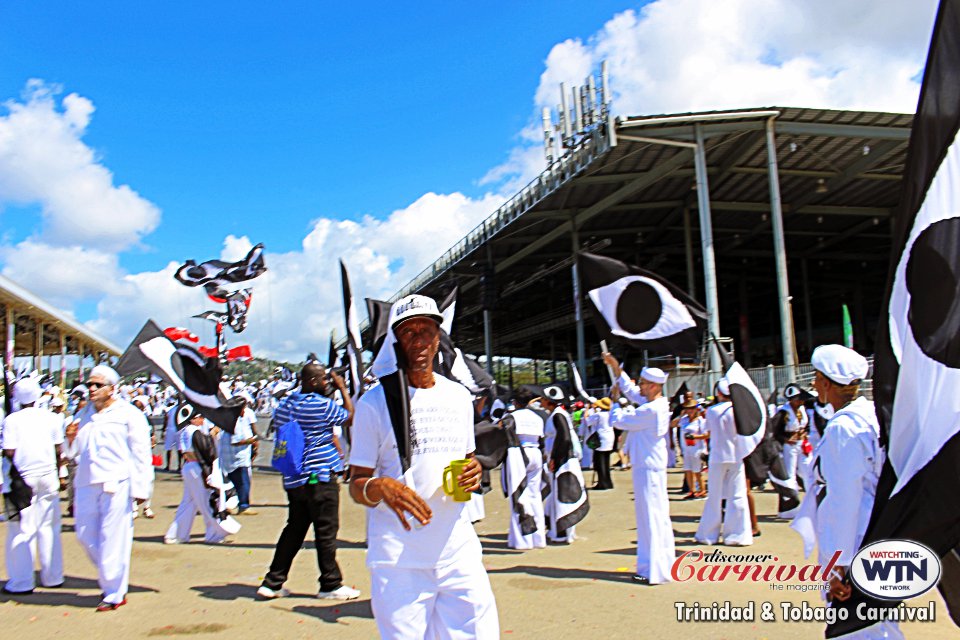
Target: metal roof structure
(632,194)
(34,327)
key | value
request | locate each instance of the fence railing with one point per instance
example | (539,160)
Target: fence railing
(767,379)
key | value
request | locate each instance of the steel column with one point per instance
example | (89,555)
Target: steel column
(577,302)
(706,242)
(780,254)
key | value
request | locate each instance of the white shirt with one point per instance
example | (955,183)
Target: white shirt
(847,466)
(599,422)
(114,445)
(34,434)
(689,428)
(648,425)
(441,427)
(796,418)
(529,426)
(723,433)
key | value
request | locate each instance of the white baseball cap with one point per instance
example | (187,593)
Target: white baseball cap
(414,306)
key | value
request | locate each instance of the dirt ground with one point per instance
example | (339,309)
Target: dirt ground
(576,591)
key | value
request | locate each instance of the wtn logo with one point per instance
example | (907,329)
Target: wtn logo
(902,570)
(895,569)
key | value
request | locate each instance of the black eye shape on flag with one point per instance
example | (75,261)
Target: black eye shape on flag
(934,285)
(748,415)
(185,413)
(641,308)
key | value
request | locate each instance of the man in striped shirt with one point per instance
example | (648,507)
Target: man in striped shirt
(313,496)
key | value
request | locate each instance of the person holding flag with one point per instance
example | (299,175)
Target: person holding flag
(727,477)
(648,425)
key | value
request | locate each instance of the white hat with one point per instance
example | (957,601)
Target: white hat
(105,372)
(27,391)
(414,306)
(839,364)
(57,402)
(723,386)
(653,374)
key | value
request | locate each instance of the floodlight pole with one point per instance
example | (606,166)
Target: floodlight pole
(706,242)
(488,319)
(787,339)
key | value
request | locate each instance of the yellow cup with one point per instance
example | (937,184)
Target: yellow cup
(450,486)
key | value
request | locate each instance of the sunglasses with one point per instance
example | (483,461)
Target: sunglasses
(96,385)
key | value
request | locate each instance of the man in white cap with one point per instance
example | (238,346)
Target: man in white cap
(647,425)
(846,468)
(31,438)
(727,479)
(113,468)
(427,578)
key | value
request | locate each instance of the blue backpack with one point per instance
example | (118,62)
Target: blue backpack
(288,449)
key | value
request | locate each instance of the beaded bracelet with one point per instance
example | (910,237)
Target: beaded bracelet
(366,498)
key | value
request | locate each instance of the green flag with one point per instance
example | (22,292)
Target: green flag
(847,328)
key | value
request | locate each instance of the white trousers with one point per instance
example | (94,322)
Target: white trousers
(196,499)
(105,530)
(791,458)
(655,545)
(35,537)
(726,481)
(452,603)
(537,539)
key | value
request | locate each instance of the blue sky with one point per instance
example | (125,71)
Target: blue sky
(257,120)
(136,135)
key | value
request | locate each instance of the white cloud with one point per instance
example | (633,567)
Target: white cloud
(62,275)
(43,160)
(670,56)
(697,55)
(298,301)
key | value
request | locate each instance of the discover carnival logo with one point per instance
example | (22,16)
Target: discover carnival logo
(895,569)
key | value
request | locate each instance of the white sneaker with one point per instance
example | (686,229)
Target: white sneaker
(170,541)
(343,592)
(269,594)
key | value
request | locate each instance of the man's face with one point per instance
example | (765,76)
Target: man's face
(648,389)
(419,339)
(100,389)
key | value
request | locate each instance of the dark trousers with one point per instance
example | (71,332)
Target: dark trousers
(601,464)
(317,504)
(240,477)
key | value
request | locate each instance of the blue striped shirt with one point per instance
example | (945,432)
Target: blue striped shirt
(317,417)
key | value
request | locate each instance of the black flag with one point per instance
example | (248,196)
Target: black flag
(197,378)
(917,360)
(218,272)
(354,353)
(641,307)
(379,313)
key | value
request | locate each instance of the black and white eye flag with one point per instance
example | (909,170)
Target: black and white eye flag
(569,503)
(640,307)
(917,359)
(218,272)
(196,378)
(354,353)
(749,408)
(378,311)
(513,476)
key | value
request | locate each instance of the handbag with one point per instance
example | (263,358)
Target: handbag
(157,460)
(593,440)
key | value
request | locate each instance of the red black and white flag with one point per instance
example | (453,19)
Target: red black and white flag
(917,360)
(641,308)
(195,376)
